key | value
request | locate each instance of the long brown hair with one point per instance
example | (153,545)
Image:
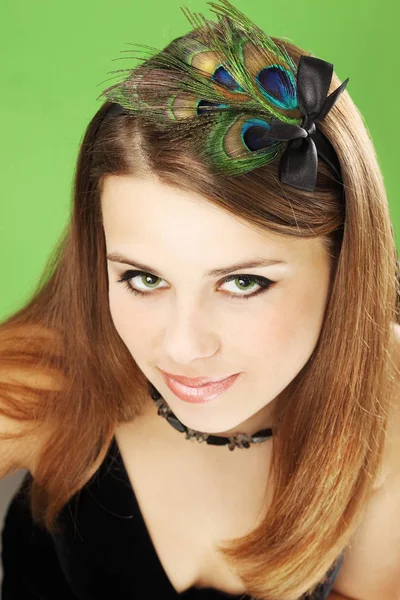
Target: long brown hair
(332,424)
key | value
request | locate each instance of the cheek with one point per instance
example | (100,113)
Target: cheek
(130,324)
(281,337)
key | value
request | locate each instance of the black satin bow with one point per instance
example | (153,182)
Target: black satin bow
(299,162)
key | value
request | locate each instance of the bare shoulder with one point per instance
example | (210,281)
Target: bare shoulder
(371,565)
(371,562)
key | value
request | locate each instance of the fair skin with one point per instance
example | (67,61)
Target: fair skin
(190,325)
(218,499)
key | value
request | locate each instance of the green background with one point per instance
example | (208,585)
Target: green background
(57,57)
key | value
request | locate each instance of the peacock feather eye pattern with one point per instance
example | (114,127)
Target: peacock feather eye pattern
(219,87)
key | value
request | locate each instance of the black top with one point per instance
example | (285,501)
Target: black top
(103,552)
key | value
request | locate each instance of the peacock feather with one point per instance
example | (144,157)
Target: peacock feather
(219,86)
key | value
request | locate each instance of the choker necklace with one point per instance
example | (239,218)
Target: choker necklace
(237,440)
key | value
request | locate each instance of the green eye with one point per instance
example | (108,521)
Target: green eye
(263,283)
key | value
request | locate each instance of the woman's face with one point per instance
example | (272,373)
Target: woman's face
(189,323)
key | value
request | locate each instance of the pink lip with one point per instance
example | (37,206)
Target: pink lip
(199,394)
(194,381)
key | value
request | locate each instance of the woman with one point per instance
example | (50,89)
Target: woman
(218,170)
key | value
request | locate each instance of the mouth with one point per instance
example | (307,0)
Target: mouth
(195,382)
(200,393)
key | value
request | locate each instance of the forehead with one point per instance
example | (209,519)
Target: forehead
(138,211)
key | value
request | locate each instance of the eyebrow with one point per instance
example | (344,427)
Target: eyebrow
(248,264)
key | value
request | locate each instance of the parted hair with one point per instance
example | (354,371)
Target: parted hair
(65,371)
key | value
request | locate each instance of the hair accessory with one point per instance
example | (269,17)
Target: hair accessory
(237,96)
(238,440)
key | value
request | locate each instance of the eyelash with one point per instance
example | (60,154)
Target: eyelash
(261,281)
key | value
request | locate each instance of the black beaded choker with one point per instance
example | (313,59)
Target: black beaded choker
(237,440)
